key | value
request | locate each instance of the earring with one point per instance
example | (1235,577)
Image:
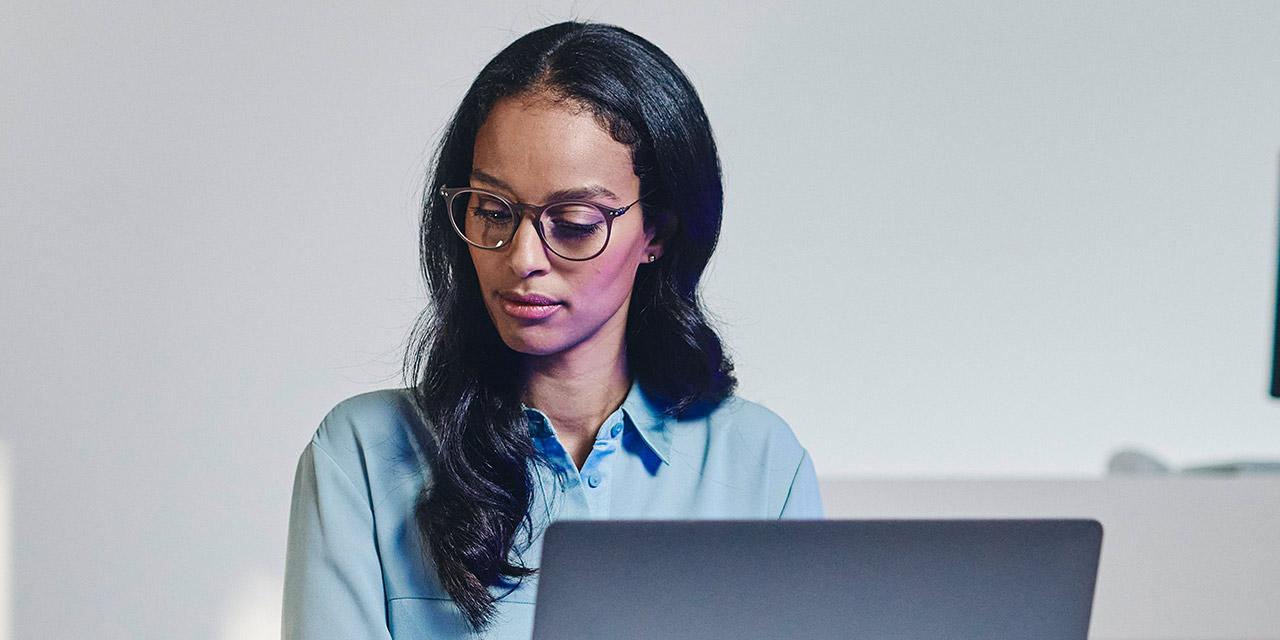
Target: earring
(652,257)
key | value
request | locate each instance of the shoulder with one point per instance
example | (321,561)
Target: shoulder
(366,418)
(745,430)
(374,437)
(748,419)
(741,456)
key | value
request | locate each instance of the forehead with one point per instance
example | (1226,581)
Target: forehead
(537,146)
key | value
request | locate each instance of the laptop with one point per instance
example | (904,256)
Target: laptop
(815,579)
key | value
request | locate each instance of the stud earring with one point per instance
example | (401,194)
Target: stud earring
(652,257)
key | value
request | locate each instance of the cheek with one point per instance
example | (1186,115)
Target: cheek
(604,288)
(482,264)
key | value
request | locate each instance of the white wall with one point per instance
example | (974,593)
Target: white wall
(1036,233)
(6,543)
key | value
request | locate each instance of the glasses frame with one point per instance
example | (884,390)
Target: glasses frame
(535,211)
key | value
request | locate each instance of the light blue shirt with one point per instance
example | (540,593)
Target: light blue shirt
(355,563)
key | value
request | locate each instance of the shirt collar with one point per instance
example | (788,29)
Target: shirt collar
(649,421)
(638,407)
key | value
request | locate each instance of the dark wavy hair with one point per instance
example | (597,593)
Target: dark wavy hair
(467,382)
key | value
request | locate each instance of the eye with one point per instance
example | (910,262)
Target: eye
(496,214)
(575,220)
(489,209)
(574,230)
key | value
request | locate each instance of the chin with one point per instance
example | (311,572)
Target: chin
(533,347)
(531,341)
(541,340)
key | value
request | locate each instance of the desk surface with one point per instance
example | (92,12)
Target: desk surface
(1182,558)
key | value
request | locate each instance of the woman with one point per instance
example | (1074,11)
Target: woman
(565,368)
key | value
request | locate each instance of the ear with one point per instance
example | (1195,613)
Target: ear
(657,236)
(653,248)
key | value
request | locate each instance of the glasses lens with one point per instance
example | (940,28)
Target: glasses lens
(484,220)
(575,230)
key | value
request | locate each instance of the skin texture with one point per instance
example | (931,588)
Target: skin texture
(575,359)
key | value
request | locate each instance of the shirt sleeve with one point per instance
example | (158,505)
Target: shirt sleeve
(333,577)
(804,501)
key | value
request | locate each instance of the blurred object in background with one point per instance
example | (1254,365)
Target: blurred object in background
(1275,340)
(1138,462)
(1135,462)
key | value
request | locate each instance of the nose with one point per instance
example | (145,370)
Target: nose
(527,255)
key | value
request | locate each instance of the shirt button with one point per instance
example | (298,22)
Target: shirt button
(593,481)
(617,428)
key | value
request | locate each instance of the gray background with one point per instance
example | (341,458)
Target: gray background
(998,240)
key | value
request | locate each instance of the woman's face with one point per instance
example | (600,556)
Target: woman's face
(526,150)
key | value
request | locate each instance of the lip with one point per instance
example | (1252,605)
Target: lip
(527,298)
(528,306)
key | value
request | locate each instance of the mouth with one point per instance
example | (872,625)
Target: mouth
(528,306)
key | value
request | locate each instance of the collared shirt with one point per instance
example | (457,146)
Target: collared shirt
(356,566)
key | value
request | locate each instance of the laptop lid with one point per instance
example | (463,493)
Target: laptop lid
(883,579)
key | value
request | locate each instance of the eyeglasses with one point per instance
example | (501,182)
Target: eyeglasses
(571,229)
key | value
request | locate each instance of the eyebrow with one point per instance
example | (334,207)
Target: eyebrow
(580,193)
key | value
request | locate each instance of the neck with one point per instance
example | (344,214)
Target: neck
(578,391)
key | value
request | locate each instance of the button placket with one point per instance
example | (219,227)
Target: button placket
(596,470)
(588,488)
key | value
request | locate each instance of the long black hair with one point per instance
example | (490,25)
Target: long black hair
(467,382)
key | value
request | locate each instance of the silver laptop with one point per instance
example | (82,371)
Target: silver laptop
(881,579)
